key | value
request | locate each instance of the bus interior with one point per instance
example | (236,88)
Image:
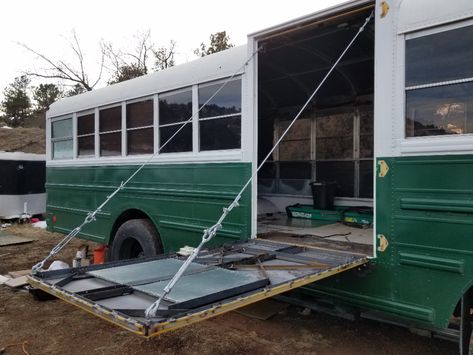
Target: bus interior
(332,141)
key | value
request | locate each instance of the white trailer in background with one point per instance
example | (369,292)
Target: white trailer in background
(22,190)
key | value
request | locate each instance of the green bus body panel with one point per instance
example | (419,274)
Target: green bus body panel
(424,207)
(181,200)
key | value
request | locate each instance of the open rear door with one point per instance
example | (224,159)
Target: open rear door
(219,281)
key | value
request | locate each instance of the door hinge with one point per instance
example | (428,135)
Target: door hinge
(384,9)
(383,168)
(383,243)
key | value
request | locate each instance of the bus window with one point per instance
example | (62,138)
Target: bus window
(61,139)
(220,118)
(439,83)
(175,109)
(139,127)
(86,135)
(110,120)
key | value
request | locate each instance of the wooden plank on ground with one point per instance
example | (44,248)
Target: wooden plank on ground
(17,282)
(4,279)
(9,239)
(19,273)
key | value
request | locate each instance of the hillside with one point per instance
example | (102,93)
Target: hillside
(28,140)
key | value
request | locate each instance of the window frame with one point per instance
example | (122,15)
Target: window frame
(192,155)
(120,130)
(202,119)
(188,121)
(355,113)
(62,139)
(152,125)
(413,143)
(78,115)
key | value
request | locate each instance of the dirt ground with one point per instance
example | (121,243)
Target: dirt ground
(54,327)
(27,140)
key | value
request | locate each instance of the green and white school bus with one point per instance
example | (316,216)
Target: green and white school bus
(392,126)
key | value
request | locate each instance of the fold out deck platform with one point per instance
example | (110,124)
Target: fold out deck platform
(219,280)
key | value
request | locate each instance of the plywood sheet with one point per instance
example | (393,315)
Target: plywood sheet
(9,239)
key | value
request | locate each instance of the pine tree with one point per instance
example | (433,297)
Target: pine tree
(16,104)
(45,95)
(219,41)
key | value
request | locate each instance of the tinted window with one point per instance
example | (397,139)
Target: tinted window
(182,142)
(223,133)
(140,141)
(175,107)
(439,110)
(226,101)
(85,134)
(111,144)
(139,114)
(220,118)
(439,107)
(440,57)
(111,119)
(139,123)
(86,145)
(86,124)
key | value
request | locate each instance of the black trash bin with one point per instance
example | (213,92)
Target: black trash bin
(323,194)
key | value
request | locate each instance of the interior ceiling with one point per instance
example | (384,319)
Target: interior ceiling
(294,63)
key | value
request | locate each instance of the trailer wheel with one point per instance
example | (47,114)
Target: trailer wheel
(135,238)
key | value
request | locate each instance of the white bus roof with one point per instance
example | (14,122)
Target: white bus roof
(211,67)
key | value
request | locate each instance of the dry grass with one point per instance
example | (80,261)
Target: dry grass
(28,140)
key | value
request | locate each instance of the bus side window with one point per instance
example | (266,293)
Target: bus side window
(139,127)
(110,123)
(175,109)
(61,139)
(220,118)
(439,83)
(86,135)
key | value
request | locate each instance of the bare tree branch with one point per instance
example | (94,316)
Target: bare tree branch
(61,70)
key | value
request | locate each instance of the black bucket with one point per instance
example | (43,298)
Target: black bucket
(323,194)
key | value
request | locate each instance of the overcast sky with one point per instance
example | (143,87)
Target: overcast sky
(46,26)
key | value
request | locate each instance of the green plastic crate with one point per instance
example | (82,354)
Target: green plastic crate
(308,212)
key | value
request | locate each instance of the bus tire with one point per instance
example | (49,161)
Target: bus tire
(135,238)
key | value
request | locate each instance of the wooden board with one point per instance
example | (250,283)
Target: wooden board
(19,273)
(3,279)
(9,239)
(17,282)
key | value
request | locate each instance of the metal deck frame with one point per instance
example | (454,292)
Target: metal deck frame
(180,315)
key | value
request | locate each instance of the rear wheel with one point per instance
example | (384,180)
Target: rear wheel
(135,238)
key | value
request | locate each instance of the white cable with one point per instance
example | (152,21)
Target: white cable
(210,233)
(91,215)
